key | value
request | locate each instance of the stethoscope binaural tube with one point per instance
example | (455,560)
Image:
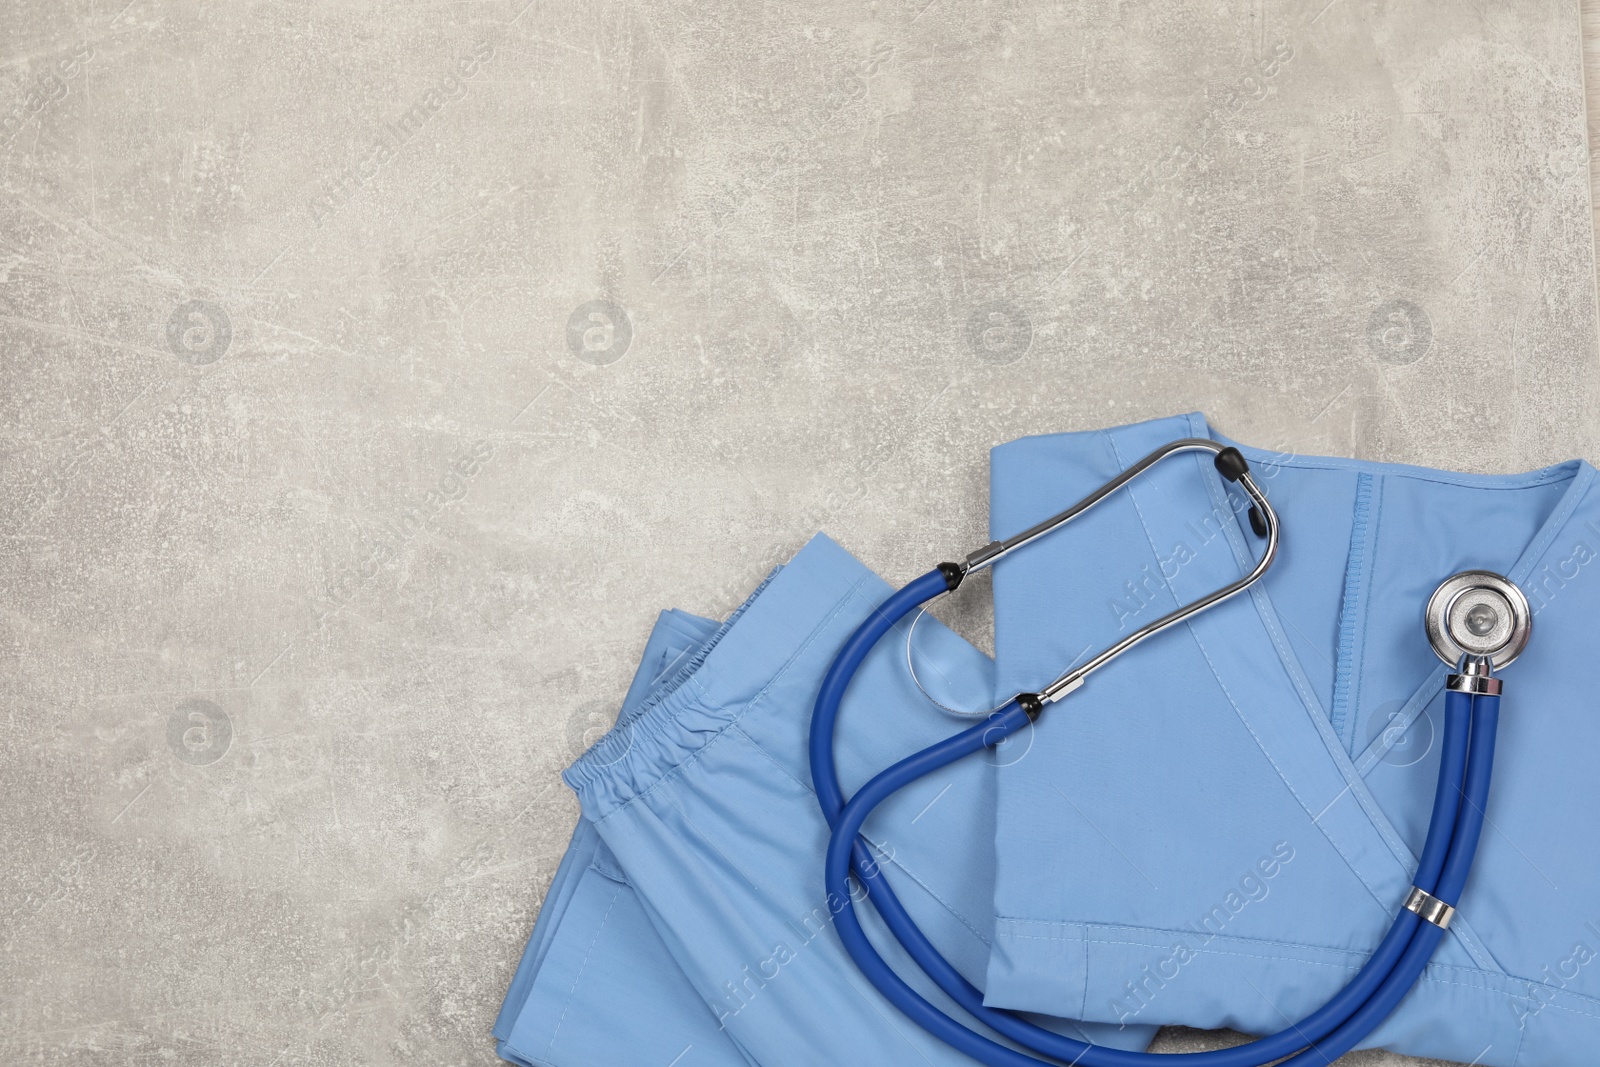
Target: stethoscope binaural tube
(1343,1021)
(948,576)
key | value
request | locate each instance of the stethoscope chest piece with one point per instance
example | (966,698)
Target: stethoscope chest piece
(1478,615)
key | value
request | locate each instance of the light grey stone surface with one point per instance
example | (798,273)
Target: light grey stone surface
(333,521)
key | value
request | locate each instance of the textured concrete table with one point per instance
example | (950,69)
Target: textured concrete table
(374,373)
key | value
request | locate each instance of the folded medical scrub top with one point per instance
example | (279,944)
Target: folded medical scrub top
(1218,828)
(701,800)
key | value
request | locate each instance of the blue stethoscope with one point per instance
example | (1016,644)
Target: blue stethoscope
(1476,621)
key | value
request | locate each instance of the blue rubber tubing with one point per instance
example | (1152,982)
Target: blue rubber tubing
(1399,978)
(1469,829)
(847,851)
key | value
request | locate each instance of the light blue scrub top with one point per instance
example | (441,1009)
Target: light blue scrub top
(1219,826)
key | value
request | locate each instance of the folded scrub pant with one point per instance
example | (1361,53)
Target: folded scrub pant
(1218,827)
(704,799)
(596,984)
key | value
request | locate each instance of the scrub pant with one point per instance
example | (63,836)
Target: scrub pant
(690,923)
(593,944)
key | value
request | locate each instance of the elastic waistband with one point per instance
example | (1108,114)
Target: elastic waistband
(797,618)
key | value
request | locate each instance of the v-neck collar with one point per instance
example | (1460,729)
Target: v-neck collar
(1325,780)
(1363,534)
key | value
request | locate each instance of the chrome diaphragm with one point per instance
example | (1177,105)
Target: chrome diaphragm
(1478,615)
